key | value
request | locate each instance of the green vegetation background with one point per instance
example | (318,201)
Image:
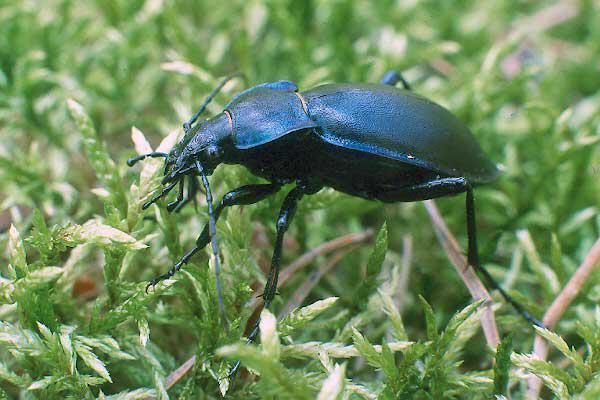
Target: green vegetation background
(74,319)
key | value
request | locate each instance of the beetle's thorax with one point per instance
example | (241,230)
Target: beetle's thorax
(205,143)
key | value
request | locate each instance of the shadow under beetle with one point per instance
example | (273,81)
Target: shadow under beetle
(373,141)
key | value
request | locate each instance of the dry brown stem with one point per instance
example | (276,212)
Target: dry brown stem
(558,308)
(471,280)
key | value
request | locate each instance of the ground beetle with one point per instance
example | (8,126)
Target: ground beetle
(373,141)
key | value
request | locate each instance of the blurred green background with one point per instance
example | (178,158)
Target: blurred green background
(523,75)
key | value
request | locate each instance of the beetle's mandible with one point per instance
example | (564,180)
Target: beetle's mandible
(374,141)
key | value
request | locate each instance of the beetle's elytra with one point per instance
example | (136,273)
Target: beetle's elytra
(374,141)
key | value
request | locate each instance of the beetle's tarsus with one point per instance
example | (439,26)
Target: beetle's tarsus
(391,78)
(155,281)
(534,320)
(151,284)
(173,270)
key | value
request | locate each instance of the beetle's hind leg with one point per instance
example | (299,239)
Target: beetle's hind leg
(248,194)
(392,78)
(450,186)
(473,259)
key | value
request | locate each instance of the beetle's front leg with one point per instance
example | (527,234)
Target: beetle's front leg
(392,78)
(248,194)
(180,202)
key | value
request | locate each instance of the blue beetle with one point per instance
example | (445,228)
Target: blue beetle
(374,141)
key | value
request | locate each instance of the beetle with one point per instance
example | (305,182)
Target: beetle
(373,141)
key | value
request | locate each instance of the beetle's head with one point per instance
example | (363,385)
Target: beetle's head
(199,152)
(204,143)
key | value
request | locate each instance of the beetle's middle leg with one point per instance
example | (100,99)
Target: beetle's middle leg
(393,77)
(286,214)
(244,195)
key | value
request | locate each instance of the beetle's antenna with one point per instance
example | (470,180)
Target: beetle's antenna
(154,154)
(188,125)
(212,229)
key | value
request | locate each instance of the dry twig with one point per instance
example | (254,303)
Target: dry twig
(558,308)
(308,257)
(327,247)
(471,280)
(311,281)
